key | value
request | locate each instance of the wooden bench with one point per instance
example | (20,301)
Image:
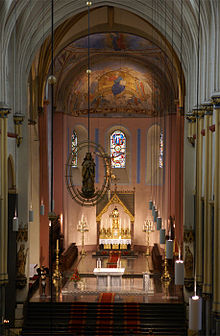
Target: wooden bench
(68,257)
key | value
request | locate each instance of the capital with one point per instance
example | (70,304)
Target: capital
(4,110)
(216,100)
(18,118)
(208,107)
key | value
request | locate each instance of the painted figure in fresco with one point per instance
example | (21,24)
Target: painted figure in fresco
(117,87)
(21,261)
(88,176)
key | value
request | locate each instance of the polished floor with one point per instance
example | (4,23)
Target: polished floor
(133,287)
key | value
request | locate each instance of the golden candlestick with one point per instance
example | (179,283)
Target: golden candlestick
(83,227)
(165,276)
(148,227)
(57,276)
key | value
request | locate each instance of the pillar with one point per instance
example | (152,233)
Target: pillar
(179,176)
(4,111)
(216,275)
(198,228)
(44,183)
(207,262)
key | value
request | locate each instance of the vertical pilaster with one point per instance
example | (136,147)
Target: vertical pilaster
(4,111)
(198,229)
(207,263)
(216,275)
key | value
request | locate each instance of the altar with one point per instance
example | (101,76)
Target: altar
(115,226)
(109,277)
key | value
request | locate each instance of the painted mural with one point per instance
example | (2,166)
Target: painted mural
(114,41)
(122,79)
(116,88)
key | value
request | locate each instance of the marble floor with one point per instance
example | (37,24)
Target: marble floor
(132,289)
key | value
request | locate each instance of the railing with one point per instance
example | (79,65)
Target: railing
(5,330)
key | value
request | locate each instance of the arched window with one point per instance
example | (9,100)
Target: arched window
(161,150)
(118,149)
(73,146)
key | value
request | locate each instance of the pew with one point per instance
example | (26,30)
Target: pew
(68,257)
(157,258)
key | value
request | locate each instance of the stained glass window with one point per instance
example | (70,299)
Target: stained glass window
(73,146)
(118,149)
(161,150)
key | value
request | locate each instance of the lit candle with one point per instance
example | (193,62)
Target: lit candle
(195,313)
(169,249)
(61,222)
(179,272)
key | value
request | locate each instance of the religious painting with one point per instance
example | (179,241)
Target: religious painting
(115,88)
(122,79)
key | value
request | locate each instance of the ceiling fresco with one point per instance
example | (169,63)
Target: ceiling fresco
(126,76)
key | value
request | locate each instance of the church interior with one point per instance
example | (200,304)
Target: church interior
(112,109)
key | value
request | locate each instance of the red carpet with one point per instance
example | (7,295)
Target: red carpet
(106,297)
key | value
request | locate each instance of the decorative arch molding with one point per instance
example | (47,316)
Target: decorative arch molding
(31,16)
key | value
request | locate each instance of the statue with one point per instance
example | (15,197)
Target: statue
(188,263)
(21,261)
(21,279)
(88,176)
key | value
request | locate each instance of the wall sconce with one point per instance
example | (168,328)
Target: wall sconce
(18,119)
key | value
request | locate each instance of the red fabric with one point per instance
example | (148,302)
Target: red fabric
(106,297)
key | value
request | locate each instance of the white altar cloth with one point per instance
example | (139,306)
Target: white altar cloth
(114,241)
(109,277)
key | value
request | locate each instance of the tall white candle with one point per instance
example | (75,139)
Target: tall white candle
(169,249)
(179,272)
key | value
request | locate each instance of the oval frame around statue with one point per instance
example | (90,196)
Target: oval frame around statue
(75,193)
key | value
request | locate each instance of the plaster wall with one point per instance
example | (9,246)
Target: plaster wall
(72,212)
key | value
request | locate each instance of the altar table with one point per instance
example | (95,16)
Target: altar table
(109,277)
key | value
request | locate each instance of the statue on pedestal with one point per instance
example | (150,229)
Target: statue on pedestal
(21,278)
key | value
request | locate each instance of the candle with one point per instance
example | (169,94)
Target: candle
(61,222)
(169,249)
(159,221)
(179,272)
(57,244)
(195,313)
(162,236)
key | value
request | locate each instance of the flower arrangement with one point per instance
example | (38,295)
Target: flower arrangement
(75,277)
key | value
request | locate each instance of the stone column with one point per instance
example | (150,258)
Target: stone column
(198,210)
(207,263)
(4,111)
(216,279)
